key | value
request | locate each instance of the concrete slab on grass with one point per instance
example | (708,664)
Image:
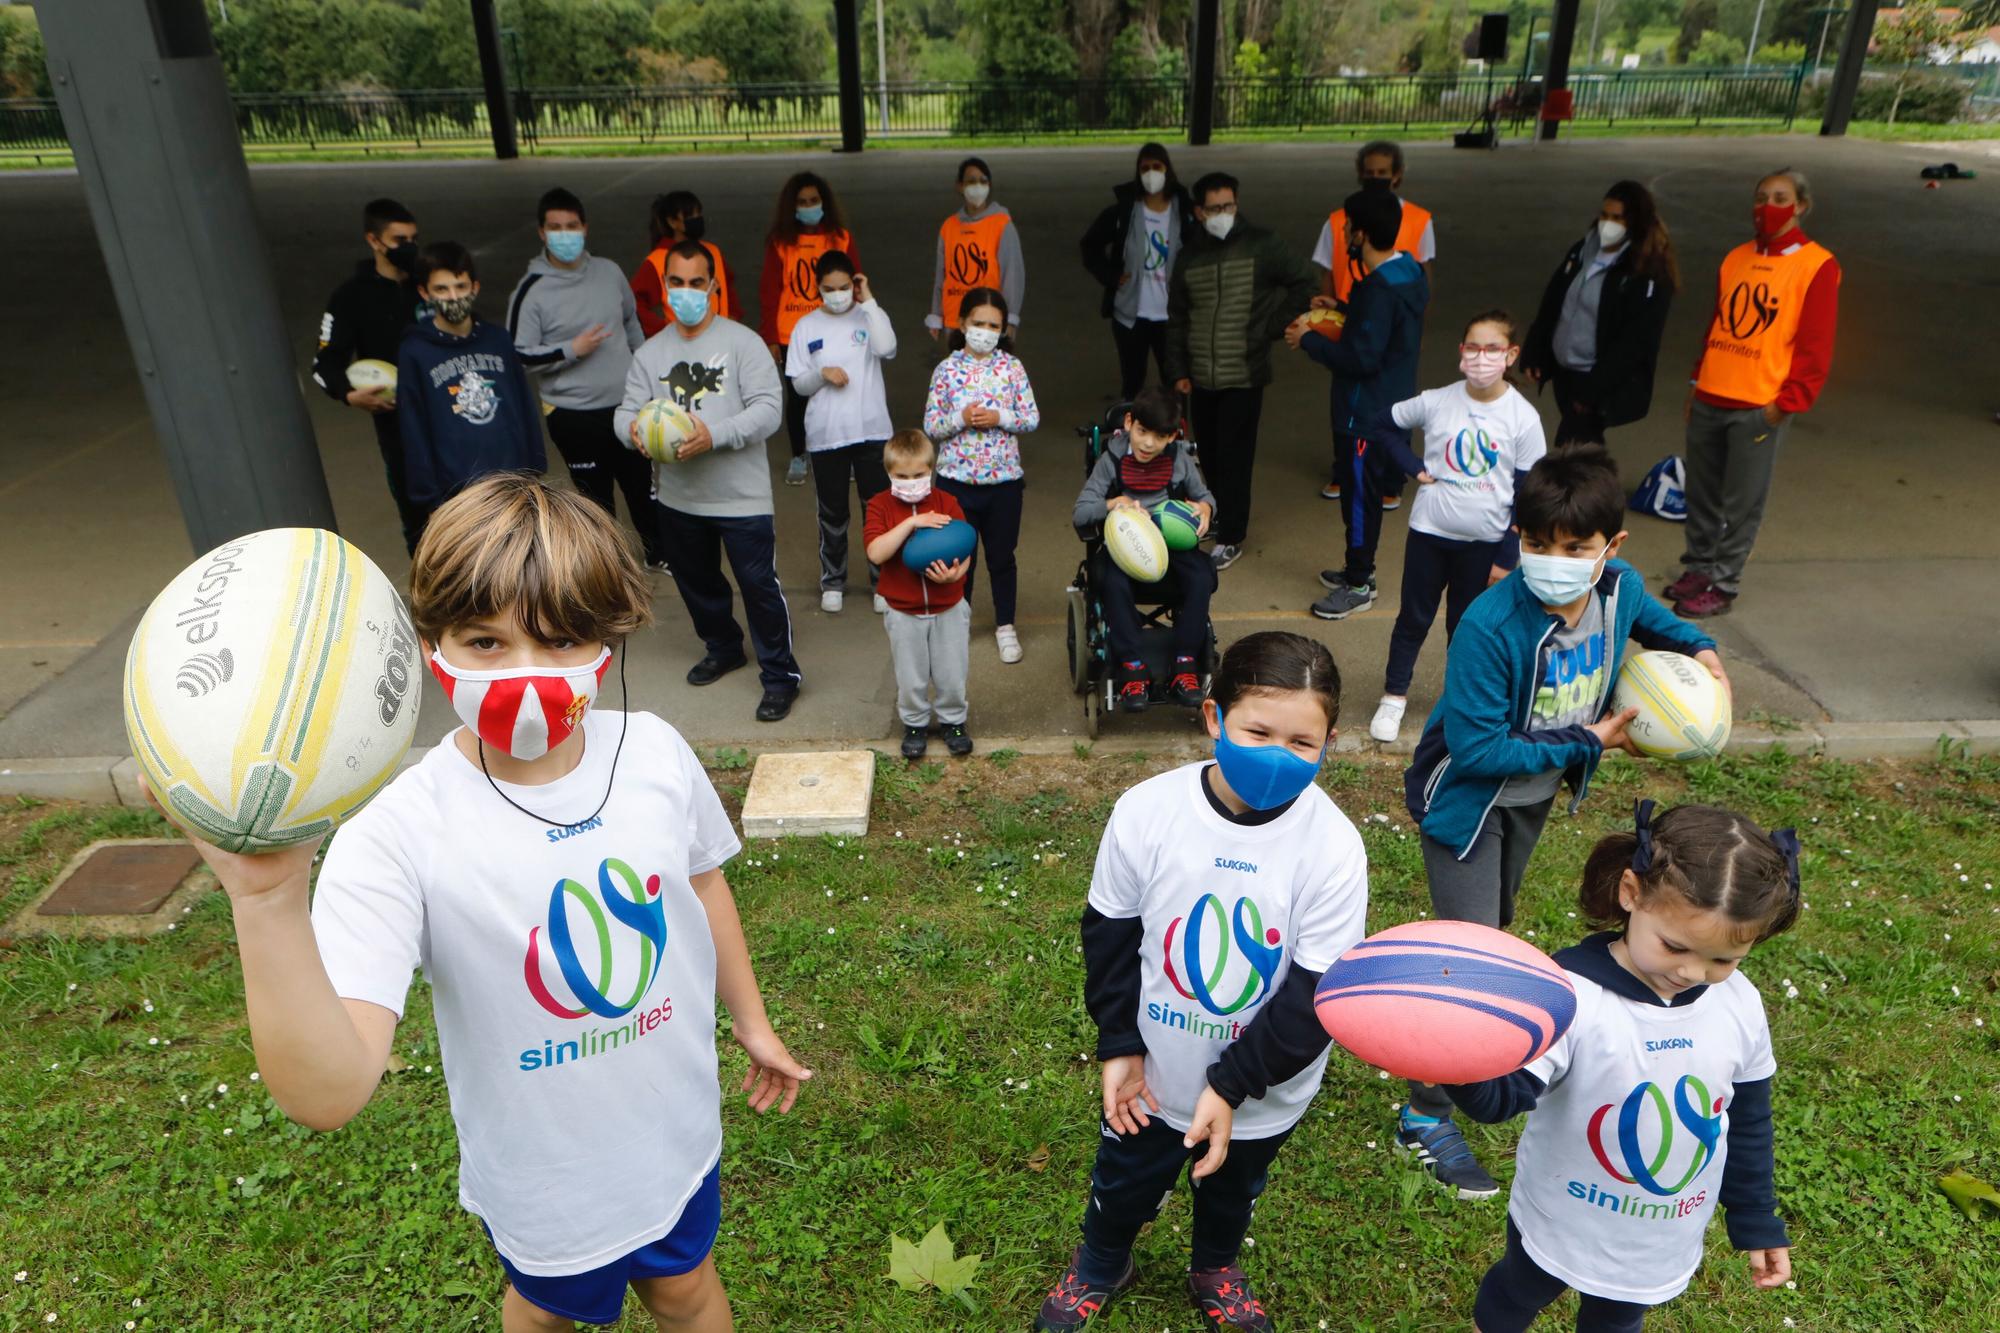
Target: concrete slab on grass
(118,887)
(824,791)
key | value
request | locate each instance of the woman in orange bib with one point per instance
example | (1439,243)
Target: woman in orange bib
(676,216)
(1764,359)
(807,223)
(977,247)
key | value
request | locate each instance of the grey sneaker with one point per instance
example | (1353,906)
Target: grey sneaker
(1225,556)
(1344,601)
(1443,1151)
(795,475)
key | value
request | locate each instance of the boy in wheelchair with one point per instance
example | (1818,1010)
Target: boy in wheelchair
(1145,465)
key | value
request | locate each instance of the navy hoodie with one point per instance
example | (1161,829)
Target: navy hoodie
(466,409)
(1374,361)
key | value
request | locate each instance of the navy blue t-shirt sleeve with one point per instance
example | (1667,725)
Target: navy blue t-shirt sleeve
(1280,1042)
(1749,1194)
(1111,981)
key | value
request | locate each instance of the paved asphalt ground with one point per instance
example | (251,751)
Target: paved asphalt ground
(1874,596)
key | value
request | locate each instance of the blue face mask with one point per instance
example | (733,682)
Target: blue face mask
(809,217)
(1558,580)
(690,304)
(1265,776)
(565,246)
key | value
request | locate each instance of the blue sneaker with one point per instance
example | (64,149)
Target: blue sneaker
(1442,1149)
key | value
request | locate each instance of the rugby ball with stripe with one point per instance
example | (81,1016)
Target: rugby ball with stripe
(370,373)
(1684,712)
(1135,543)
(272,688)
(663,424)
(1445,1001)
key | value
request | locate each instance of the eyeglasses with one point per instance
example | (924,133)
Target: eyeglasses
(1483,351)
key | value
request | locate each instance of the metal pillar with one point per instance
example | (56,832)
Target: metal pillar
(1847,74)
(150,123)
(493,73)
(1562,36)
(847,50)
(1201,97)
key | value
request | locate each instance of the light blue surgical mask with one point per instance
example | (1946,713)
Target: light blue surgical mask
(1265,776)
(1558,580)
(809,217)
(565,246)
(690,304)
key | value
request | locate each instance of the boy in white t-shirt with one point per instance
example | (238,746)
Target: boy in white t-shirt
(1480,437)
(1222,891)
(557,874)
(835,364)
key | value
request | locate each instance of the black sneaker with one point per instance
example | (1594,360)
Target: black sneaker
(915,741)
(712,668)
(1135,687)
(956,740)
(1344,601)
(1184,686)
(1072,1301)
(1448,1157)
(776,704)
(1224,1300)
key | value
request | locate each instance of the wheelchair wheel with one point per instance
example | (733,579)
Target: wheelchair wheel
(1079,640)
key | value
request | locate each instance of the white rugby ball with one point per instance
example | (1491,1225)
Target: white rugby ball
(1684,712)
(1135,543)
(663,424)
(369,373)
(272,688)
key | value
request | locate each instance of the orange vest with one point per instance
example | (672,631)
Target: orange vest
(1348,271)
(799,296)
(658,259)
(1749,349)
(971,258)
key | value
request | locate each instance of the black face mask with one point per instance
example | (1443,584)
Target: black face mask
(694,228)
(1376,184)
(1354,251)
(403,256)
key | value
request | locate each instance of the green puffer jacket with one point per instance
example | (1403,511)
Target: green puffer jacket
(1227,302)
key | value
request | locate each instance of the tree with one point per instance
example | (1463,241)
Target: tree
(1697,17)
(1716,48)
(756,41)
(1024,39)
(24,64)
(1921,35)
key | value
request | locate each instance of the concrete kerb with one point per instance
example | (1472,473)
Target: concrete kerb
(114,779)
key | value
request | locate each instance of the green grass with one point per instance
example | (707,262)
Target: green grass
(944,1018)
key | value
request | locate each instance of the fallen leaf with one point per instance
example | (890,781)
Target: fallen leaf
(930,1263)
(397,1064)
(1968,1192)
(1038,1160)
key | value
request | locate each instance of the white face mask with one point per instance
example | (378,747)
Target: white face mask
(1218,225)
(837,302)
(1610,235)
(910,490)
(1558,580)
(982,341)
(1152,182)
(975,195)
(1482,370)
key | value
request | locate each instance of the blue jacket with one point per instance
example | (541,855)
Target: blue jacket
(1374,361)
(1476,737)
(465,408)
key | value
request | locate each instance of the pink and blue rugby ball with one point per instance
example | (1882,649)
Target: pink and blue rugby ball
(950,543)
(1445,1001)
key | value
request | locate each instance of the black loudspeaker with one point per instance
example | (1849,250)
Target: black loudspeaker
(1492,37)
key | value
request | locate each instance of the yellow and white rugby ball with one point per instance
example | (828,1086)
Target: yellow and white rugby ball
(272,688)
(663,424)
(370,373)
(1135,543)
(1684,712)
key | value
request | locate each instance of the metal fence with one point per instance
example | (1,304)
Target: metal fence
(723,114)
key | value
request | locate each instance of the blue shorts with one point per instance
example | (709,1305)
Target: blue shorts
(598,1296)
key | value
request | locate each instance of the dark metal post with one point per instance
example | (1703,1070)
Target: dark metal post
(847,52)
(1562,36)
(1201,97)
(493,73)
(1847,74)
(154,134)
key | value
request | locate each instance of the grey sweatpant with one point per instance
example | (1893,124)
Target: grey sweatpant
(1480,888)
(930,651)
(1731,457)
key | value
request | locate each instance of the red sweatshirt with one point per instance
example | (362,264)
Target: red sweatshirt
(906,590)
(1812,347)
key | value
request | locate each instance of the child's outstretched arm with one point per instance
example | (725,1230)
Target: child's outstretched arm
(773,1077)
(1496,1099)
(1749,1195)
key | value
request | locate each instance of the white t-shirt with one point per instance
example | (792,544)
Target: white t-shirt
(1620,1165)
(573,978)
(1153,278)
(1228,908)
(1473,449)
(1427,245)
(857,341)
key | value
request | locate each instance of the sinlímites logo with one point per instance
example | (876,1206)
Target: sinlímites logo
(598,953)
(1654,1158)
(1202,966)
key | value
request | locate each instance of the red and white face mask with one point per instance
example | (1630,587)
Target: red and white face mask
(522,711)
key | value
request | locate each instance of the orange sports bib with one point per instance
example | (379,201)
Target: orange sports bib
(1749,349)
(799,296)
(658,259)
(971,258)
(1346,270)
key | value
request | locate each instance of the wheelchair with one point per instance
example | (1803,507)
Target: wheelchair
(1089,650)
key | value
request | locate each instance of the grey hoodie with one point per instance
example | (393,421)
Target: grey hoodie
(726,377)
(551,306)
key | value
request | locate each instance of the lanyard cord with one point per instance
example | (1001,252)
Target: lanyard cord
(625,695)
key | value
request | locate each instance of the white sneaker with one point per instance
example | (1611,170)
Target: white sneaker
(881,605)
(831,601)
(1388,719)
(1010,643)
